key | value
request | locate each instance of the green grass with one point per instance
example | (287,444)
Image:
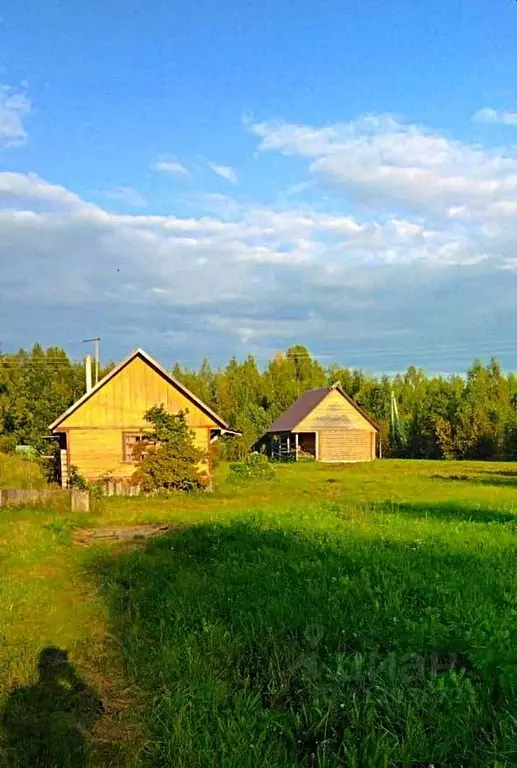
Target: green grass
(360,616)
(16,472)
(45,601)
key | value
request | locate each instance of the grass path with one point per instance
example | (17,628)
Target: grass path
(46,601)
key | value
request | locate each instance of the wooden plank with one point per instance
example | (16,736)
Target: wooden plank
(101,452)
(334,411)
(63,459)
(125,398)
(345,445)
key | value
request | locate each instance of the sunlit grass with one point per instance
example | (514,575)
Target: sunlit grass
(339,616)
(17,472)
(359,615)
(45,600)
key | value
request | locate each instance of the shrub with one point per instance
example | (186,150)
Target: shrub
(235,448)
(167,458)
(256,467)
(76,480)
(7,443)
(215,454)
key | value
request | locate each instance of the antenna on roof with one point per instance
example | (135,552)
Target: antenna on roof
(96,342)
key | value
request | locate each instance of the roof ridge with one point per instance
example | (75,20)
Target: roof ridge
(305,404)
(114,371)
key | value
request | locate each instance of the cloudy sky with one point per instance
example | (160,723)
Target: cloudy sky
(207,179)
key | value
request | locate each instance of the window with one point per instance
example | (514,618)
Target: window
(130,439)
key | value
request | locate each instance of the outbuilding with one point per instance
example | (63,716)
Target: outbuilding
(325,424)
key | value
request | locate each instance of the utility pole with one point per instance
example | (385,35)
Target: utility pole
(397,435)
(394,414)
(96,346)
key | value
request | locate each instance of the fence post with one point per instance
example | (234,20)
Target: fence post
(79,500)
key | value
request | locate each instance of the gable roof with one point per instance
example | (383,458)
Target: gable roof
(306,403)
(158,368)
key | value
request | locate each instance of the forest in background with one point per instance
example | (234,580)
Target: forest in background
(470,416)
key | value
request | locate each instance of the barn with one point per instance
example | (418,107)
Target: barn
(325,424)
(98,432)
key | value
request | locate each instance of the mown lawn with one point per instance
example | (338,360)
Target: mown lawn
(337,616)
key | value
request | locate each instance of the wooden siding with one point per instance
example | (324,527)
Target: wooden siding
(346,445)
(95,430)
(97,452)
(122,402)
(334,412)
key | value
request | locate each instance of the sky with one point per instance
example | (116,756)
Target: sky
(207,179)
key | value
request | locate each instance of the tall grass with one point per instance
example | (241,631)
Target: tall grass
(364,622)
(46,602)
(17,472)
(336,616)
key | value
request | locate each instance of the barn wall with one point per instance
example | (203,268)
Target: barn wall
(99,451)
(334,412)
(122,401)
(346,445)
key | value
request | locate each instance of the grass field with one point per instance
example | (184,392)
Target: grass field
(360,616)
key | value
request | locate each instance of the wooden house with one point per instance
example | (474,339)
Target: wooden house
(324,424)
(98,432)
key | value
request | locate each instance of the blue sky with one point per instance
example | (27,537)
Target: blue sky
(203,179)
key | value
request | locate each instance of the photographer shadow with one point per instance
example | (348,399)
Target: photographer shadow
(46,725)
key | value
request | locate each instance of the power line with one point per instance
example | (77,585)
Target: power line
(442,351)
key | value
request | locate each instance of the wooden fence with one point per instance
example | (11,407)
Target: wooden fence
(78,501)
(119,488)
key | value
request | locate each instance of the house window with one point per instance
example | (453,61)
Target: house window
(130,439)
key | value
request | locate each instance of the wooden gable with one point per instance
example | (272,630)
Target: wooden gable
(335,411)
(121,400)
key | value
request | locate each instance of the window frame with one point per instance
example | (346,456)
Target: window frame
(125,435)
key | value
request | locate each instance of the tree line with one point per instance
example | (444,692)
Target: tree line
(470,416)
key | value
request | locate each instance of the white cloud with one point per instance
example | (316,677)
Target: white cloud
(127,195)
(386,162)
(14,107)
(224,171)
(195,261)
(489,115)
(249,277)
(171,166)
(23,191)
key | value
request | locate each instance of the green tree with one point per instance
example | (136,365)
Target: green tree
(168,458)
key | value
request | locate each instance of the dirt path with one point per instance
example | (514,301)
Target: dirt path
(120,533)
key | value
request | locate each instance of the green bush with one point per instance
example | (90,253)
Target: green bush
(7,443)
(76,480)
(167,458)
(215,454)
(256,467)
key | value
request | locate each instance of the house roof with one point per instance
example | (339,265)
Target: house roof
(306,403)
(158,368)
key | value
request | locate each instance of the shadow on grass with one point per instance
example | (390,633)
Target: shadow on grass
(45,725)
(446,511)
(497,478)
(276,649)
